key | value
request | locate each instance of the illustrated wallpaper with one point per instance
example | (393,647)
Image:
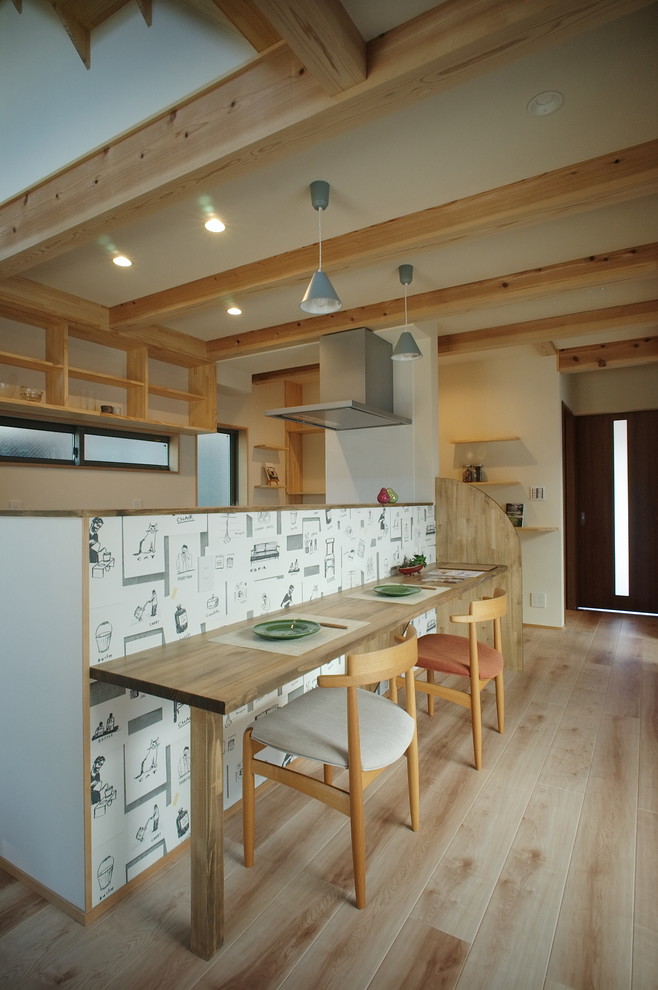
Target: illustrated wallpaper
(157,579)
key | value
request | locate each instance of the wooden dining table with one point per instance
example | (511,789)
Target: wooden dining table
(215,677)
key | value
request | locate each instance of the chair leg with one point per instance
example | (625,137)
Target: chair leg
(248,800)
(430,697)
(500,702)
(476,719)
(414,783)
(328,774)
(358,830)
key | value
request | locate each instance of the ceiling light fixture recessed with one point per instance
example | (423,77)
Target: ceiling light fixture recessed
(122,261)
(545,103)
(234,311)
(215,225)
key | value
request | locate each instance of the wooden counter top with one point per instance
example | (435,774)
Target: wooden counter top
(220,677)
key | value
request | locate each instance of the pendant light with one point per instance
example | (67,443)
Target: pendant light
(406,348)
(320,297)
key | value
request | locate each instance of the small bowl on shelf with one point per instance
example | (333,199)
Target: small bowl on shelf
(416,569)
(30,394)
(7,391)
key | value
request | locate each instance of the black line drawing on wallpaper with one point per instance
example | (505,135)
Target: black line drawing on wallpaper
(287,598)
(100,557)
(107,728)
(150,606)
(103,636)
(180,618)
(240,592)
(102,795)
(382,521)
(184,560)
(177,707)
(265,602)
(149,764)
(182,822)
(212,603)
(184,766)
(147,544)
(294,567)
(104,872)
(150,826)
(263,551)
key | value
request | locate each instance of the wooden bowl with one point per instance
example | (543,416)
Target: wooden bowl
(416,569)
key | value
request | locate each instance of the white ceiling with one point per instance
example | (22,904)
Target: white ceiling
(475,137)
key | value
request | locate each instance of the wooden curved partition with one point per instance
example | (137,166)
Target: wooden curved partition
(472,528)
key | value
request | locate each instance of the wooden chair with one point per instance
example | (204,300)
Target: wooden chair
(467,657)
(353,729)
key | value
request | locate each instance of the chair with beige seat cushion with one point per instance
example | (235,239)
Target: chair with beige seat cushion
(338,724)
(470,658)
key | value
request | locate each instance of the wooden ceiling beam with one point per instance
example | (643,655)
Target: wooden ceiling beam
(520,287)
(639,315)
(615,354)
(612,178)
(271,109)
(324,37)
(245,16)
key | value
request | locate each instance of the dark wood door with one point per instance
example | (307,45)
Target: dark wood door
(595,517)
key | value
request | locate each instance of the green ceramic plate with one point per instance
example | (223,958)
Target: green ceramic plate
(285,629)
(396,590)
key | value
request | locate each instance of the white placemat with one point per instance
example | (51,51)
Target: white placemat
(372,596)
(292,647)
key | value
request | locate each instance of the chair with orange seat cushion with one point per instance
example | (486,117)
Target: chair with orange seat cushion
(353,729)
(467,657)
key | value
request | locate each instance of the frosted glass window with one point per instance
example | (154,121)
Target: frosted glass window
(36,444)
(107,448)
(217,468)
(620,487)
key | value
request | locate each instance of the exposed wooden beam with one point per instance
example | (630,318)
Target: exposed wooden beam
(249,21)
(38,300)
(611,178)
(639,315)
(519,287)
(270,110)
(323,35)
(616,354)
(279,374)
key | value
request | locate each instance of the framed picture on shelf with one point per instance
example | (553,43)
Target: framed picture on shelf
(515,512)
(271,475)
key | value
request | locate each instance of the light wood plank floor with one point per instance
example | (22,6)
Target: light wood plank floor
(537,872)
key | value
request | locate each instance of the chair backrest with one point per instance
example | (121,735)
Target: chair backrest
(485,610)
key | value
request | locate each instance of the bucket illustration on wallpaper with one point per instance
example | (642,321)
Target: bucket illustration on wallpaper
(104,872)
(103,636)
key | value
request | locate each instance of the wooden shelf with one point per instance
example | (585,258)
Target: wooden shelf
(306,491)
(484,484)
(267,446)
(488,440)
(537,529)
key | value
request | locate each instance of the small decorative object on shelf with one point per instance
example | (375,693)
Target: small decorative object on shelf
(515,512)
(271,475)
(383,496)
(413,565)
(467,474)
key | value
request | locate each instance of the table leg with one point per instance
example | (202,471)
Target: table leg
(207,843)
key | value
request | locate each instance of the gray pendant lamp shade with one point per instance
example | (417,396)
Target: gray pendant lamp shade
(406,348)
(320,297)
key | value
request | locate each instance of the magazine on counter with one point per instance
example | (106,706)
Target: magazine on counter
(450,575)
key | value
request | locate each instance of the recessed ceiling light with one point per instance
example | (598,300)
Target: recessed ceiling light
(215,225)
(545,103)
(122,261)
(234,311)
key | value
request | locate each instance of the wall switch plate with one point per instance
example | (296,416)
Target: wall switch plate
(15,503)
(538,599)
(537,494)
(138,503)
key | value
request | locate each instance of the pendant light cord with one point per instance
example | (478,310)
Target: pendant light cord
(320,237)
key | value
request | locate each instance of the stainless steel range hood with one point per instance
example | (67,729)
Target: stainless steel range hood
(356,385)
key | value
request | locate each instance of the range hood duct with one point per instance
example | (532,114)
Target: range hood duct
(355,363)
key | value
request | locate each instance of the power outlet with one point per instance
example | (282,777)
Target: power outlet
(15,504)
(538,599)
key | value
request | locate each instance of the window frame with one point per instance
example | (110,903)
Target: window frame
(78,432)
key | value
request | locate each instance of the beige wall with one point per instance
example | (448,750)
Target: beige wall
(613,390)
(515,394)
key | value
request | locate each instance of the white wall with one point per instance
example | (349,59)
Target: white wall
(612,390)
(516,394)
